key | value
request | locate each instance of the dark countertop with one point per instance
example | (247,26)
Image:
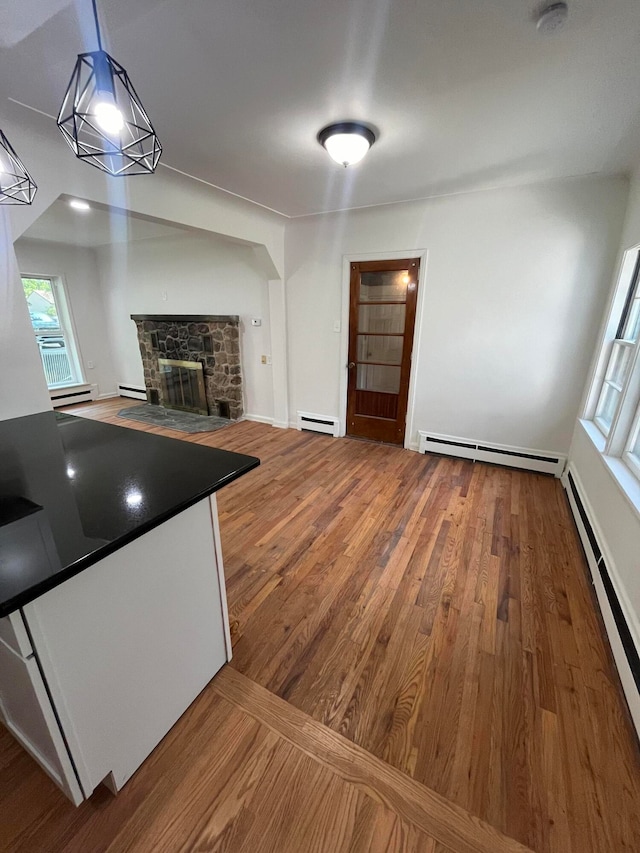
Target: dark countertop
(73,490)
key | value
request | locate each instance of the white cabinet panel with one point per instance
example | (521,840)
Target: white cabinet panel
(27,713)
(14,634)
(128,644)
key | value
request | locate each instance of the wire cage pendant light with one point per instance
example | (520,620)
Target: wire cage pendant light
(16,184)
(102,117)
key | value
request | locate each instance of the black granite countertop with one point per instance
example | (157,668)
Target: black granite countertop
(73,490)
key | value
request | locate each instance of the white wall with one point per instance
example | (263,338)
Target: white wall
(616,521)
(511,301)
(23,390)
(200,275)
(78,269)
(166,195)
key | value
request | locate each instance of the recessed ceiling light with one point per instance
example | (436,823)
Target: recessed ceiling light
(78,204)
(347,142)
(552,17)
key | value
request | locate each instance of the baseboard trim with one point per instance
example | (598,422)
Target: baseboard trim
(136,392)
(71,395)
(314,422)
(259,419)
(526,458)
(621,624)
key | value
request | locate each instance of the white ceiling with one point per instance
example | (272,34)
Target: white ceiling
(466,94)
(98,226)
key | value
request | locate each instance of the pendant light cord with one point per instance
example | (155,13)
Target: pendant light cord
(95,15)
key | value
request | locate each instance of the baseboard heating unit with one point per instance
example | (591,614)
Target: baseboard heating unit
(70,396)
(134,391)
(499,454)
(623,633)
(318,423)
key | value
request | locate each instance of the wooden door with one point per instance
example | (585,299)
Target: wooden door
(381,320)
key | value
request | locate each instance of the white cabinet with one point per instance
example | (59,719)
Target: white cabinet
(27,712)
(127,644)
(14,634)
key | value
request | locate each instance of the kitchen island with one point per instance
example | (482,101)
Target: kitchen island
(113,613)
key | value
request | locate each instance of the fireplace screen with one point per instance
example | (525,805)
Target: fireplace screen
(183,385)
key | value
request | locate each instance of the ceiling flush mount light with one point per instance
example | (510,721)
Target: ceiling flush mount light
(78,204)
(16,184)
(552,17)
(102,117)
(347,142)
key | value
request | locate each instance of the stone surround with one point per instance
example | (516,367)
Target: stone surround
(211,339)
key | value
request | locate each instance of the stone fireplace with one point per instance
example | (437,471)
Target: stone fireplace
(210,340)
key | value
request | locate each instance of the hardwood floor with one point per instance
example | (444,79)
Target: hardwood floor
(434,613)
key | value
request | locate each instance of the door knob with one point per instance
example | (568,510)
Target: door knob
(351,365)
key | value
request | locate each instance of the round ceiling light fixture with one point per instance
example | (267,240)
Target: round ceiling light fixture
(347,142)
(552,17)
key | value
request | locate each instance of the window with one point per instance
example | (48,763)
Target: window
(621,357)
(52,328)
(614,400)
(632,455)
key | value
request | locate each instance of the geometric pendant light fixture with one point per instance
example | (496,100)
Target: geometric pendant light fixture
(102,117)
(16,184)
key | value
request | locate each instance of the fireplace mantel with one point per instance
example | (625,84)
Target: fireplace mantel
(189,318)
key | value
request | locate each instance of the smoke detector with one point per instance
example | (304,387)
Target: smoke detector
(552,18)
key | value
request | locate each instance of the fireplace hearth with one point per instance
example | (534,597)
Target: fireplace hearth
(192,363)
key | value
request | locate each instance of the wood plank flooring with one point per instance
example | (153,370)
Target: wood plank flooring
(254,791)
(434,613)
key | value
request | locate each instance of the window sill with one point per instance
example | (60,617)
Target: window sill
(623,477)
(594,434)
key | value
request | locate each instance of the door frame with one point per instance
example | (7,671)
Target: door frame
(347,260)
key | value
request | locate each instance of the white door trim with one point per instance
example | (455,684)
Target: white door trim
(410,437)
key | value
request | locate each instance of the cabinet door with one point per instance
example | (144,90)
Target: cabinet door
(26,711)
(14,634)
(127,644)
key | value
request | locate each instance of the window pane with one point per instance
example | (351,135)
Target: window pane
(42,305)
(607,405)
(382,348)
(619,364)
(58,363)
(632,326)
(381,318)
(390,286)
(635,449)
(376,378)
